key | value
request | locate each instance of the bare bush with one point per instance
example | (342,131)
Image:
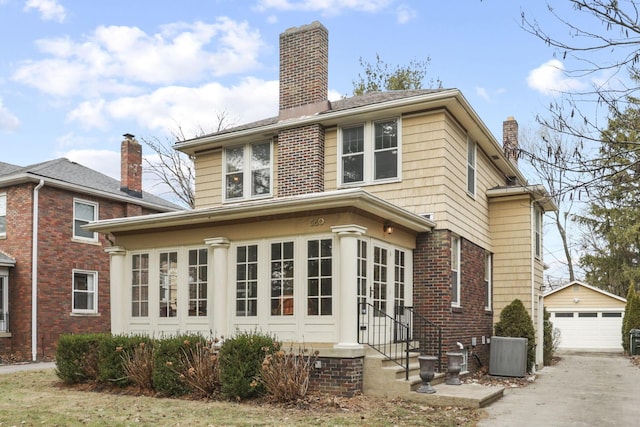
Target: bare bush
(138,365)
(285,375)
(201,369)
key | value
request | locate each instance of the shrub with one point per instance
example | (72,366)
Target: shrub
(138,363)
(169,364)
(77,357)
(548,345)
(515,322)
(200,368)
(626,328)
(285,375)
(240,360)
(112,348)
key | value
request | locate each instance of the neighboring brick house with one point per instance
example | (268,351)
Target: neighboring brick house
(54,275)
(333,220)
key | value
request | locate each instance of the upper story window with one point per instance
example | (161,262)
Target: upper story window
(85,291)
(471,166)
(3,215)
(455,271)
(83,213)
(248,171)
(537,213)
(370,152)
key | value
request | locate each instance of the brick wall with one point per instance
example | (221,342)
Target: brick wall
(432,294)
(301,160)
(342,377)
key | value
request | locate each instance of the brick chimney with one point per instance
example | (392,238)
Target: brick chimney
(131,166)
(510,139)
(304,77)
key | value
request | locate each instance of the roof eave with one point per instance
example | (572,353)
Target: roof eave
(539,194)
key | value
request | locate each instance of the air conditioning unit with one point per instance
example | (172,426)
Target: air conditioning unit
(508,357)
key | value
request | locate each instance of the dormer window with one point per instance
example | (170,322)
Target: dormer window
(247,171)
(370,152)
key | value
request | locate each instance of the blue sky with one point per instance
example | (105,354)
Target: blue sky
(75,75)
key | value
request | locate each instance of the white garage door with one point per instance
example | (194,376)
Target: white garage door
(589,330)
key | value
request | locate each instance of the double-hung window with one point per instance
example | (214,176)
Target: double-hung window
(85,291)
(84,212)
(248,171)
(471,166)
(455,271)
(3,215)
(370,152)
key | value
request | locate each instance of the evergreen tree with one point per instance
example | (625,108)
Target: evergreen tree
(631,294)
(516,322)
(633,317)
(380,76)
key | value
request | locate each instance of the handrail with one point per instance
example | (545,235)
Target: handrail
(407,329)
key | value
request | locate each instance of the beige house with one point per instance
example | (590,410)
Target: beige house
(383,218)
(587,317)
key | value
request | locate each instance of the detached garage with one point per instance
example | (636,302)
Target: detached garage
(588,318)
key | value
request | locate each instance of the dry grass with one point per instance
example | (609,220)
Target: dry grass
(39,399)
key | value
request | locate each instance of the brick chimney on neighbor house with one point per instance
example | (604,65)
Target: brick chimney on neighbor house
(304,85)
(510,139)
(131,166)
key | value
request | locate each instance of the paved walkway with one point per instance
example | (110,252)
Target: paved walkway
(18,367)
(583,389)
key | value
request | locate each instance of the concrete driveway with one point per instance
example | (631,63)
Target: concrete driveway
(583,389)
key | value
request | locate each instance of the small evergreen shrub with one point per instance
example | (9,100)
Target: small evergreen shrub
(516,322)
(77,357)
(240,360)
(626,328)
(549,349)
(285,374)
(169,364)
(111,349)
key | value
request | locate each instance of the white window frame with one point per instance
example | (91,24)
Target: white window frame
(488,285)
(143,304)
(92,293)
(3,214)
(4,300)
(455,268)
(472,154)
(247,172)
(369,151)
(537,225)
(83,221)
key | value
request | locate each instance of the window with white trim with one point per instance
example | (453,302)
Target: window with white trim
(84,212)
(488,265)
(282,269)
(320,277)
(537,213)
(4,300)
(3,215)
(247,280)
(370,152)
(168,274)
(455,271)
(362,275)
(399,279)
(379,283)
(198,270)
(85,291)
(140,285)
(471,166)
(248,171)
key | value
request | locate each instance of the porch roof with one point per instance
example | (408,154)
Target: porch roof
(340,199)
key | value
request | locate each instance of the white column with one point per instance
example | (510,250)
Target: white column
(117,289)
(347,299)
(218,292)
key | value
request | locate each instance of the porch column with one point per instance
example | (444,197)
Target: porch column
(219,260)
(117,289)
(348,285)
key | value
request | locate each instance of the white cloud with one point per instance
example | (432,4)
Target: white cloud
(405,13)
(89,114)
(549,78)
(8,121)
(326,7)
(482,93)
(119,60)
(191,108)
(50,10)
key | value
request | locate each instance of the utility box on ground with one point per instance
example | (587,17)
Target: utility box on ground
(634,342)
(508,357)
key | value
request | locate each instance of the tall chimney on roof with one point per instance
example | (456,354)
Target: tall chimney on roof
(304,71)
(131,166)
(510,139)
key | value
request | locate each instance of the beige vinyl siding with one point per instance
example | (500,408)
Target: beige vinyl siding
(208,169)
(510,224)
(433,175)
(587,299)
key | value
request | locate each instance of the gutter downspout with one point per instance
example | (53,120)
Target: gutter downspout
(34,273)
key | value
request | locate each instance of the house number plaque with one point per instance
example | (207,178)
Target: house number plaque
(317,222)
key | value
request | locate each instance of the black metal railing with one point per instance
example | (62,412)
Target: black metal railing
(405,330)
